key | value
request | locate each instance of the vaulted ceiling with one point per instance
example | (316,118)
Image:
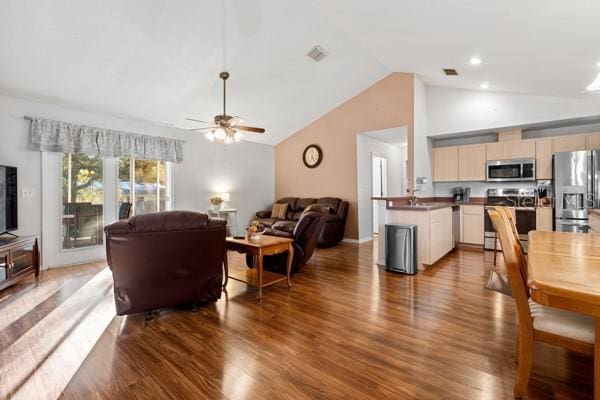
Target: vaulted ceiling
(159,60)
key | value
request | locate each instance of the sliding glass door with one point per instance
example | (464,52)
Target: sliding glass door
(82,194)
(78,199)
(145,184)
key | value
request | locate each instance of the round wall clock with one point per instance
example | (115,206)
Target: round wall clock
(312,156)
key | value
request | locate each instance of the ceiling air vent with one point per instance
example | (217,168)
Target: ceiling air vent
(317,53)
(450,72)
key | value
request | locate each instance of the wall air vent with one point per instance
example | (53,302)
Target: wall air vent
(317,53)
(450,72)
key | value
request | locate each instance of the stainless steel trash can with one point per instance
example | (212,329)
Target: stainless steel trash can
(401,248)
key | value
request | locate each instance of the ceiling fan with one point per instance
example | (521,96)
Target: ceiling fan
(225,127)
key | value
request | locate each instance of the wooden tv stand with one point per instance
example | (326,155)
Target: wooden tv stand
(19,257)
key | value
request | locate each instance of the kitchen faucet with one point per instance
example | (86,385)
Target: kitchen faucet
(413,199)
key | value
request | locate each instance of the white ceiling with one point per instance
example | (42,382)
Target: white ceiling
(159,60)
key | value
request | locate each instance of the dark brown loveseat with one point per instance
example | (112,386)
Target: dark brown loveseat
(335,221)
(165,259)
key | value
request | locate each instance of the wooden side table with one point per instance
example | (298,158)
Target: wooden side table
(265,246)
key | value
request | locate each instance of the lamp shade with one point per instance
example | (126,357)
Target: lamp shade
(225,197)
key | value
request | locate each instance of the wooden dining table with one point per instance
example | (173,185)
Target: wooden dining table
(564,272)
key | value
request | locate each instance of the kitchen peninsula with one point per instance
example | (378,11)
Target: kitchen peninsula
(435,219)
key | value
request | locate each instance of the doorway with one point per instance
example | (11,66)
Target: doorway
(378,184)
(381,170)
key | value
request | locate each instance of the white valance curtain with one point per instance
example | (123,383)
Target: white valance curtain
(64,137)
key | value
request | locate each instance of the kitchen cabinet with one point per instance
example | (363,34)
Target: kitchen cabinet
(569,143)
(471,162)
(543,219)
(434,232)
(510,150)
(593,141)
(519,149)
(494,151)
(471,224)
(543,158)
(445,164)
(441,241)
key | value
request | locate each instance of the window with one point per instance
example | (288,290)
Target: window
(144,184)
(82,192)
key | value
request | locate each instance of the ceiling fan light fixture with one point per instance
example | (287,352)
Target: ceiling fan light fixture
(210,136)
(237,136)
(219,133)
(228,140)
(595,85)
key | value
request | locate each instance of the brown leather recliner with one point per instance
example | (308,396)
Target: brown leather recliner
(305,234)
(335,223)
(165,259)
(333,230)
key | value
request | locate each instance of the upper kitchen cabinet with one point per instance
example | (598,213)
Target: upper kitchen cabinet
(510,150)
(543,158)
(445,164)
(569,143)
(494,151)
(519,149)
(593,141)
(471,162)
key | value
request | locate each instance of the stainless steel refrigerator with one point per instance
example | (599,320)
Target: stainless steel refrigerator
(576,188)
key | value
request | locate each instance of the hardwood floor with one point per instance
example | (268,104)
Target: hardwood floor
(346,329)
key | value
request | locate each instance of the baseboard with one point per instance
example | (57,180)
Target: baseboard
(470,247)
(357,241)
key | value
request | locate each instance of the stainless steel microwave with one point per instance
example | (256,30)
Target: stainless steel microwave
(510,170)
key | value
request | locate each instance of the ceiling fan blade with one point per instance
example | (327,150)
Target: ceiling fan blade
(199,120)
(250,129)
(203,129)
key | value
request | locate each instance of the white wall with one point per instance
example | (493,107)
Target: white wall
(422,146)
(396,171)
(244,169)
(457,110)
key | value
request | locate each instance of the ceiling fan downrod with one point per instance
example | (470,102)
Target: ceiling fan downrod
(224,75)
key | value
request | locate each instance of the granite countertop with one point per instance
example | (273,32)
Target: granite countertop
(422,207)
(425,203)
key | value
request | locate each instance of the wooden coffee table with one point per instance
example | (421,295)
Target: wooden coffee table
(264,246)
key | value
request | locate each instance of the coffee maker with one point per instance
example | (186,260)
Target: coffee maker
(461,194)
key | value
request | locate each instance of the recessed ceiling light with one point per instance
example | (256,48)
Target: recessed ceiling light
(484,85)
(475,61)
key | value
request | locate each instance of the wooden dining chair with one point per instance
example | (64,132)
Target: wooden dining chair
(507,214)
(536,322)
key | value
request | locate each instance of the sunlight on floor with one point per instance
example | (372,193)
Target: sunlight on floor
(81,320)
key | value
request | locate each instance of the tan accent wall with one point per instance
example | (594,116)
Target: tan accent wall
(388,103)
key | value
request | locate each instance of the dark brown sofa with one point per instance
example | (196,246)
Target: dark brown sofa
(165,259)
(335,222)
(305,234)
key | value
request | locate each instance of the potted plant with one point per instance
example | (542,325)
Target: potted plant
(217,202)
(254,230)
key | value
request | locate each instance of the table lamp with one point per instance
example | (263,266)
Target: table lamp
(226,197)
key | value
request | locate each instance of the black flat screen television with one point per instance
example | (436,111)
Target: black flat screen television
(8,199)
